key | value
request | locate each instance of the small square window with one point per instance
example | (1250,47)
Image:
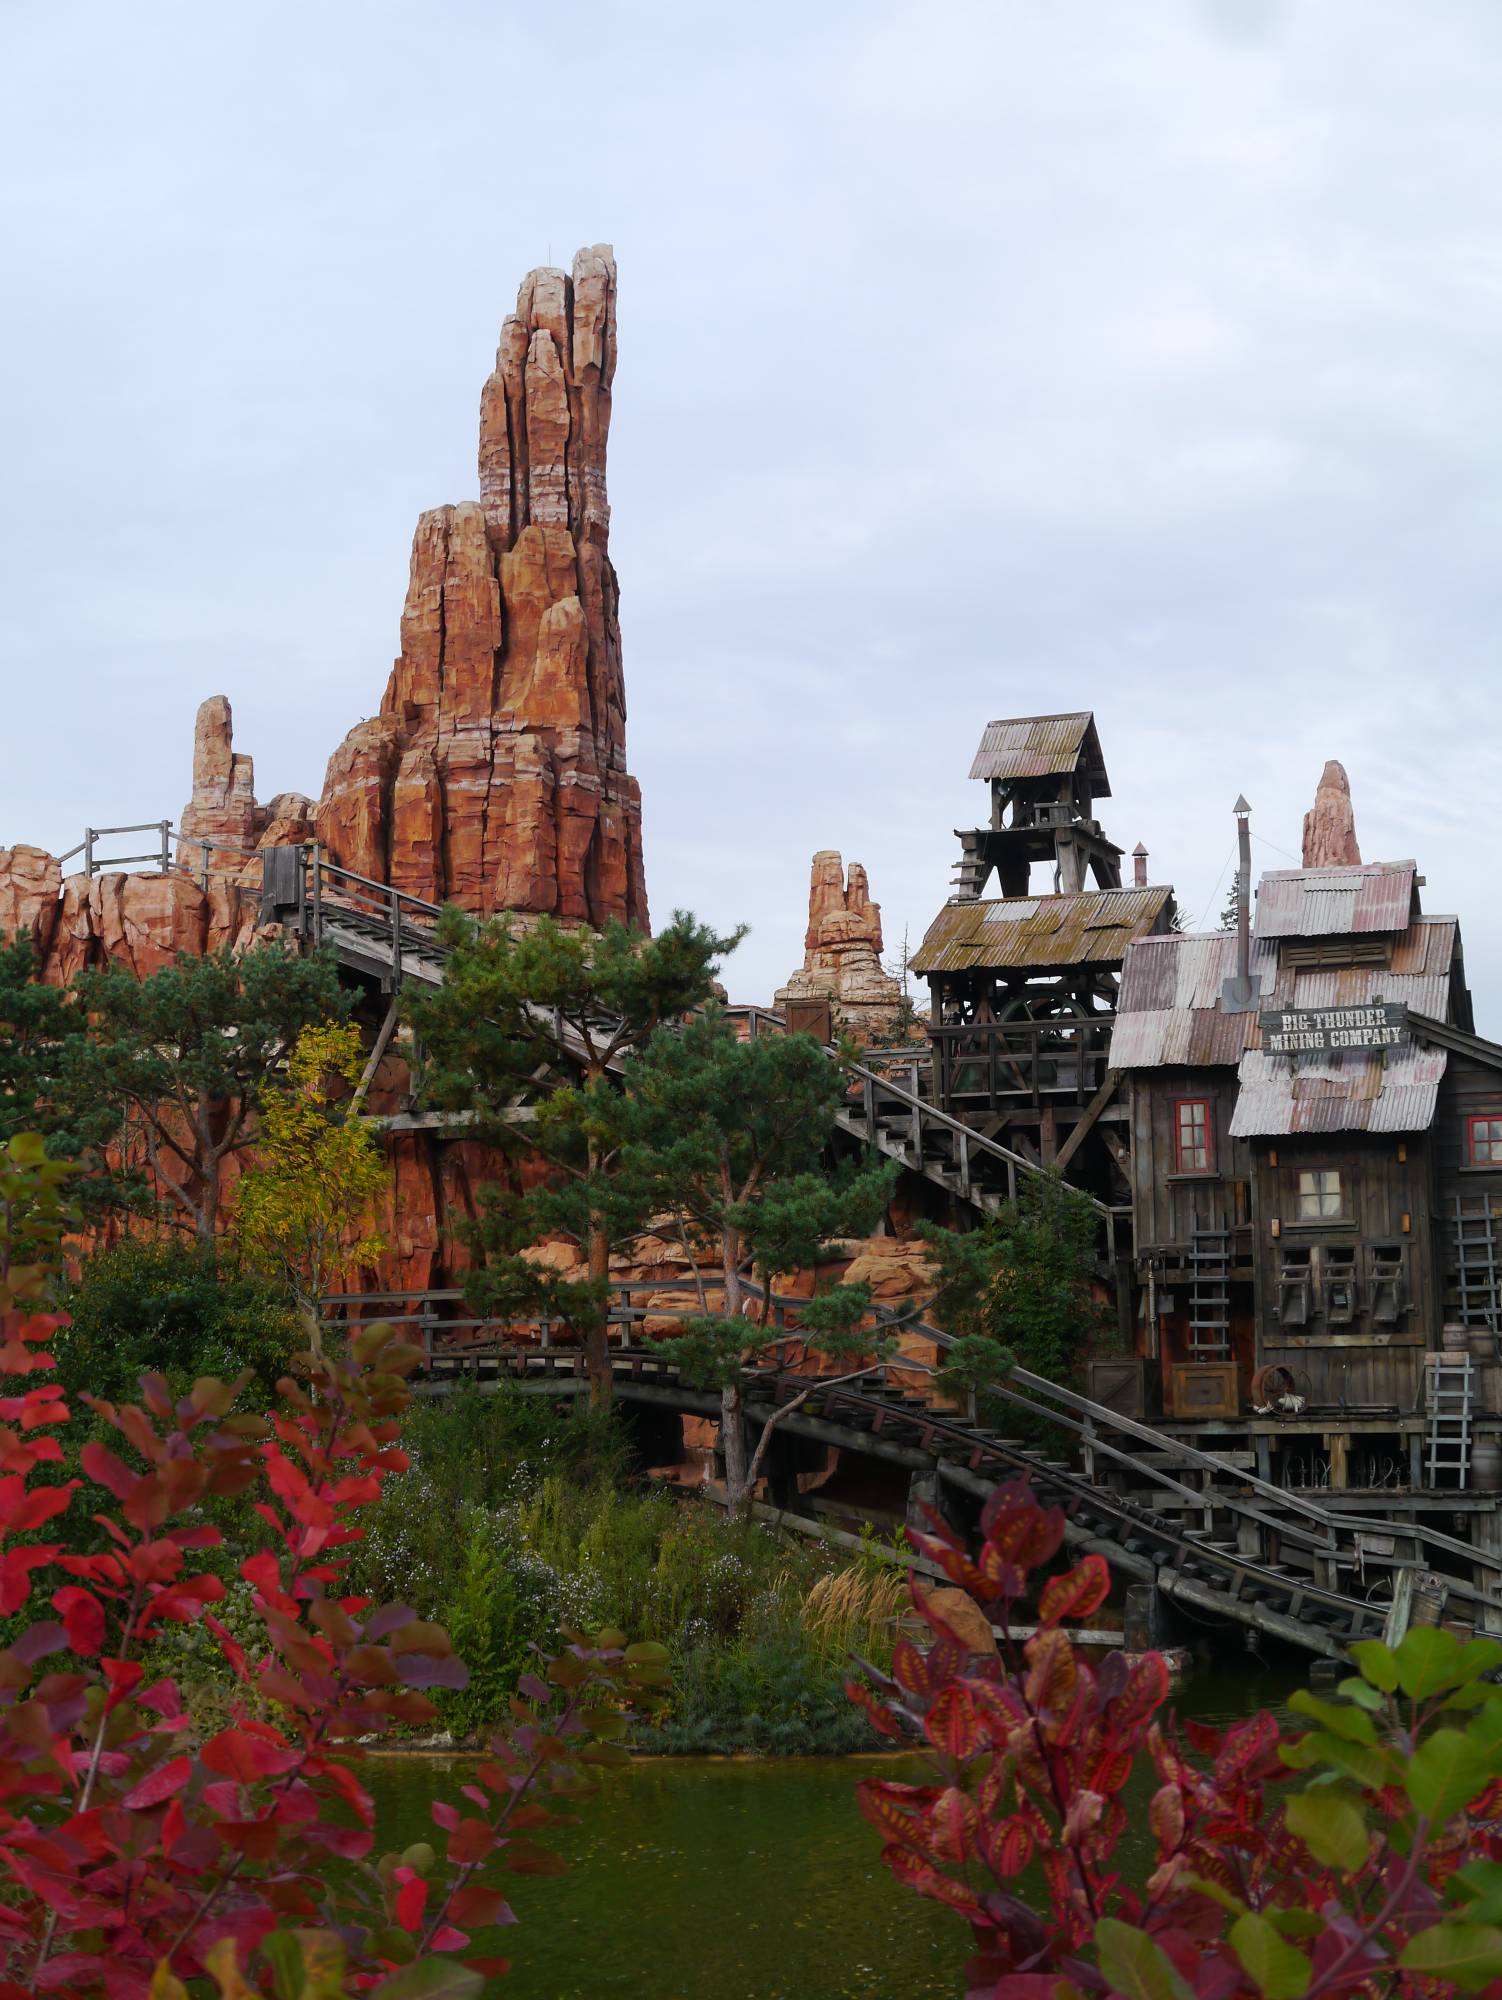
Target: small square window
(1319,1194)
(1192,1135)
(1485,1142)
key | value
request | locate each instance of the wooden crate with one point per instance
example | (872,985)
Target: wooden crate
(1119,1382)
(1203,1389)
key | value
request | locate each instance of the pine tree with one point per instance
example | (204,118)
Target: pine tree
(549,1014)
(730,1137)
(42,1033)
(186,1057)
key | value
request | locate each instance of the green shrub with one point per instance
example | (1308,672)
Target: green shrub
(148,1305)
(490,1625)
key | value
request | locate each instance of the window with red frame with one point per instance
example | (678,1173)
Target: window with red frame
(1192,1135)
(1485,1142)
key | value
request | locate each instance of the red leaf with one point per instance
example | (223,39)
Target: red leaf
(105,1469)
(1077,1593)
(471,1841)
(83,1617)
(411,1900)
(123,1676)
(159,1785)
(445,1815)
(237,1754)
(951,1725)
(480,1907)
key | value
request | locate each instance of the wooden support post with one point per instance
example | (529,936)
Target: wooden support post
(1401,1608)
(1048,1135)
(367,1075)
(1338,1444)
(1086,1123)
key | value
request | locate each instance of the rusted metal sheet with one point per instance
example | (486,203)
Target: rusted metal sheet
(1169,1011)
(1395,1092)
(1333,902)
(1042,746)
(1017,932)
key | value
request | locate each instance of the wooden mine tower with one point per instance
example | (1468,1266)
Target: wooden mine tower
(1024,985)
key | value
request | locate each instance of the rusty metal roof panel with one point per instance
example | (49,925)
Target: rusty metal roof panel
(1427,946)
(1335,902)
(1019,932)
(1356,1091)
(1042,746)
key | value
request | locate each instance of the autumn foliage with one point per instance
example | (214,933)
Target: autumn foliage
(137,1853)
(1364,1857)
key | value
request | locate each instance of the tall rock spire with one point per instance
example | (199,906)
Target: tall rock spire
(495,773)
(1330,825)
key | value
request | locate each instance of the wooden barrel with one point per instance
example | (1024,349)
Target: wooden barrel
(1483,1343)
(1455,1338)
(1486,1465)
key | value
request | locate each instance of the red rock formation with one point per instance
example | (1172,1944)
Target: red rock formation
(842,953)
(30,882)
(494,775)
(1330,825)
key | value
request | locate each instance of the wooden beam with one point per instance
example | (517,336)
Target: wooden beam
(382,1042)
(1087,1123)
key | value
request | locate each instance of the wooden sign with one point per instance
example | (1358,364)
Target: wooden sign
(1294,1031)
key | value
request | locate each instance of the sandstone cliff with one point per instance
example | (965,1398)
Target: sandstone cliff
(842,954)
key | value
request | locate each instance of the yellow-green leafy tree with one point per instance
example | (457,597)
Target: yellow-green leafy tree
(305,1207)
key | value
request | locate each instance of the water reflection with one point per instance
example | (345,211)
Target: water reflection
(695,1879)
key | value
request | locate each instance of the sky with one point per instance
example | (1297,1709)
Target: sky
(976,360)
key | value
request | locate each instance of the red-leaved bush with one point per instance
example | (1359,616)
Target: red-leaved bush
(1380,1874)
(138,1853)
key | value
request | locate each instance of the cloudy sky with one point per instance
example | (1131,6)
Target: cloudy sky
(976,360)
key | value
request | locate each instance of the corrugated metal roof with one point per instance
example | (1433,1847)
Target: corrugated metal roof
(1093,928)
(1332,902)
(1042,746)
(1169,1008)
(1395,1090)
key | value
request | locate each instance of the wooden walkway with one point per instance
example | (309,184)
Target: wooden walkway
(381,933)
(1224,1545)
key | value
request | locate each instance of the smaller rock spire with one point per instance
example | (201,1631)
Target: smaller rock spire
(1330,825)
(842,952)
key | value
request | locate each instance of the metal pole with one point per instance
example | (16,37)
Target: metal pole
(88,852)
(316,858)
(166,826)
(396,940)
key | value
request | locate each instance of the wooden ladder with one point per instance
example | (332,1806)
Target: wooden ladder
(1209,1294)
(1476,1263)
(1449,1394)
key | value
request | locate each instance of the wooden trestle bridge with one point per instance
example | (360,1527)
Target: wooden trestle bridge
(1205,1533)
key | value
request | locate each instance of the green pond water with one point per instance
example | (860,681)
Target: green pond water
(710,1879)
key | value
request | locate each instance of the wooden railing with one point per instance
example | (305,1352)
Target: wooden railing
(194,853)
(1336,1545)
(1008,1065)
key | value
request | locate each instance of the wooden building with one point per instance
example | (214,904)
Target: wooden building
(1316,1181)
(1024,985)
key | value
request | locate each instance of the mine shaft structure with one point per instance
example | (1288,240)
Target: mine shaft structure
(1023,985)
